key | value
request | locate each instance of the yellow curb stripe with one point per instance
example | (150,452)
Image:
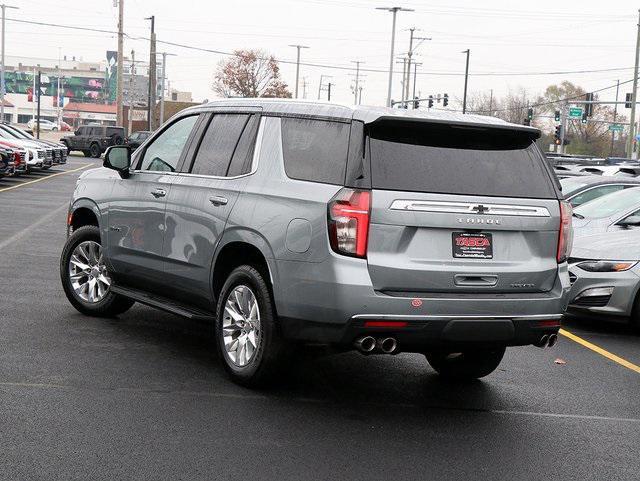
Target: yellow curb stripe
(602,352)
(45,178)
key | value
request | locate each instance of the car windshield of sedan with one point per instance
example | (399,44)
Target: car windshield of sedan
(571,184)
(609,205)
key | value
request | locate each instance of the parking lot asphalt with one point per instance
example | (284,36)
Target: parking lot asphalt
(143,397)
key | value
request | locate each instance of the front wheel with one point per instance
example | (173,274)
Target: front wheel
(246,330)
(85,278)
(471,364)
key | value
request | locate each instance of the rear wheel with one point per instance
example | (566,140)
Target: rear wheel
(471,364)
(95,151)
(85,278)
(246,330)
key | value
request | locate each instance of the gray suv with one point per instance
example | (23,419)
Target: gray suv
(286,222)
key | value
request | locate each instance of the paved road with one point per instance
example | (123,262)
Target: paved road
(142,396)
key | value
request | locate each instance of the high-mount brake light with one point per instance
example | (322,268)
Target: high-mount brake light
(348,220)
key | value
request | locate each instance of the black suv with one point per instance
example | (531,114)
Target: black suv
(93,140)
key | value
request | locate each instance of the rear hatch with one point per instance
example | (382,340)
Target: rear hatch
(460,209)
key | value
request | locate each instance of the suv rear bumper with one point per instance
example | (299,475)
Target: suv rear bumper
(330,302)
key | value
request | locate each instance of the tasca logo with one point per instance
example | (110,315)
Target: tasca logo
(472,241)
(478,220)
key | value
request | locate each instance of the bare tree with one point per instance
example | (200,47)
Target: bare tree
(250,73)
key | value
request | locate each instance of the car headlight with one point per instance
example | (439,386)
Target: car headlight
(606,266)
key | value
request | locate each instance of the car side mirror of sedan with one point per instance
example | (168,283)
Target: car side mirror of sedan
(118,158)
(631,221)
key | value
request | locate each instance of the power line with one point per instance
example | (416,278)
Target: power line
(328,66)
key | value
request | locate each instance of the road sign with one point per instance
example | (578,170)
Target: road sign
(575,113)
(616,128)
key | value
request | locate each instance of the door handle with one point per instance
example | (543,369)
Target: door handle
(218,200)
(159,193)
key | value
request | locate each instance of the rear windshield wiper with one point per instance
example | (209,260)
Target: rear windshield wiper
(578,216)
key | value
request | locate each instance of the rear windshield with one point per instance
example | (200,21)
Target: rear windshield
(447,159)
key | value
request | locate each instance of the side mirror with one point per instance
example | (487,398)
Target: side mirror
(118,158)
(631,221)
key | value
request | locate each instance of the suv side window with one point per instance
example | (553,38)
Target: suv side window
(218,144)
(315,150)
(163,154)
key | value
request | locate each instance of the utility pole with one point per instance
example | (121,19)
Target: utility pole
(409,54)
(132,86)
(38,114)
(615,115)
(164,76)
(305,84)
(329,92)
(403,82)
(298,48)
(2,85)
(120,65)
(320,89)
(357,62)
(466,80)
(58,90)
(360,96)
(394,11)
(634,95)
(415,78)
(151,102)
(563,125)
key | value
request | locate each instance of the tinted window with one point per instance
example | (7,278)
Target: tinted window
(315,150)
(113,131)
(163,154)
(594,193)
(218,144)
(448,159)
(242,159)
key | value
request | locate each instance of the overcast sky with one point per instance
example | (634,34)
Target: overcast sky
(504,37)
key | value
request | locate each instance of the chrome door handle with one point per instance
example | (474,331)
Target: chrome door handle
(159,193)
(218,200)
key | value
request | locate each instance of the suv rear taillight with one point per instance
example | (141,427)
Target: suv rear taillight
(565,235)
(348,219)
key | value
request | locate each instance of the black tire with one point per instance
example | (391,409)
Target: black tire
(117,140)
(271,349)
(472,364)
(86,153)
(112,304)
(54,129)
(95,151)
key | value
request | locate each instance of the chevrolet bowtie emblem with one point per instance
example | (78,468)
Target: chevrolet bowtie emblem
(480,209)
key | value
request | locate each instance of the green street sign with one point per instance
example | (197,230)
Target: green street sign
(616,128)
(575,113)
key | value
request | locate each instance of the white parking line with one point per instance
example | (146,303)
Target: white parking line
(51,176)
(19,235)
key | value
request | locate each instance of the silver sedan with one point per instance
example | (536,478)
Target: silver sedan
(604,270)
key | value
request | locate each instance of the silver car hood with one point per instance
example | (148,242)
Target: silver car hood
(618,245)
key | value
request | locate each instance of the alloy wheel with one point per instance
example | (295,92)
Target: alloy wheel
(88,272)
(241,325)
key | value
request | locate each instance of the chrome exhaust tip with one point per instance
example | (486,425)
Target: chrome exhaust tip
(365,344)
(388,345)
(542,342)
(553,338)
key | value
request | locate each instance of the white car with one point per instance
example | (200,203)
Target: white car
(44,125)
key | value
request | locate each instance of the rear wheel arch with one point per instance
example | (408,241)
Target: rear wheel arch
(234,254)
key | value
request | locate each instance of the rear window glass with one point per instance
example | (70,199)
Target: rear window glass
(315,150)
(448,159)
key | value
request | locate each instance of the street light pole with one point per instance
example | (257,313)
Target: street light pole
(634,95)
(298,47)
(151,102)
(120,64)
(615,116)
(394,11)
(355,90)
(2,85)
(466,80)
(164,76)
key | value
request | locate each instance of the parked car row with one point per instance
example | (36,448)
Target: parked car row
(23,153)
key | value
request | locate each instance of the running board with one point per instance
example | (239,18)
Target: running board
(163,304)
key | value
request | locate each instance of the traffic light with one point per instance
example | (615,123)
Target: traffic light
(530,115)
(430,101)
(628,100)
(588,108)
(445,100)
(416,103)
(557,137)
(557,116)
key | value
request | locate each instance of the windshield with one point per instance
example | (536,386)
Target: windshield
(426,157)
(18,133)
(570,185)
(608,205)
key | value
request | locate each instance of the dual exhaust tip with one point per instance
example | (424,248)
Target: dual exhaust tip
(547,341)
(369,344)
